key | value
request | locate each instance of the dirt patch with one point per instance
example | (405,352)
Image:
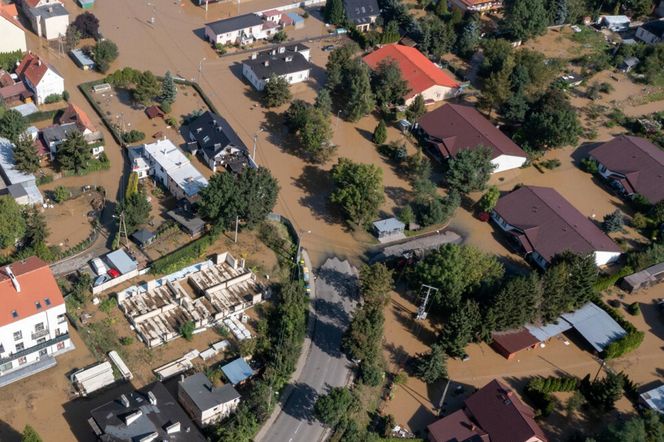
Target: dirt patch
(77,226)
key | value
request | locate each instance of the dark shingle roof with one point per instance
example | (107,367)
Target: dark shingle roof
(655,27)
(288,61)
(235,23)
(361,11)
(199,388)
(456,127)
(639,160)
(551,225)
(213,133)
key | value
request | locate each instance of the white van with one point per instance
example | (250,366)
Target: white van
(98,266)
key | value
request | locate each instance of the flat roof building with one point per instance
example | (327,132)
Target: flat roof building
(237,371)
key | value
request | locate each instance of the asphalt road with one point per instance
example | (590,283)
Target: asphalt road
(325,366)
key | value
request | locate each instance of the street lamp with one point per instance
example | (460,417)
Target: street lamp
(253,157)
(200,68)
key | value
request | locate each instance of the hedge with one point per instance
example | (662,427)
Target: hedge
(606,281)
(184,255)
(631,341)
(43,115)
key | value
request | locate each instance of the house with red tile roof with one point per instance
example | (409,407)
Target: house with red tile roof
(494,413)
(477,5)
(454,127)
(542,224)
(40,77)
(33,325)
(632,165)
(13,34)
(423,77)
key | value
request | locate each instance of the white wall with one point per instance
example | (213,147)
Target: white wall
(54,27)
(604,258)
(507,162)
(13,37)
(51,83)
(435,93)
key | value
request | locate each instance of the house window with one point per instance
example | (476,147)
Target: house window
(61,345)
(40,340)
(38,305)
(7,366)
(39,327)
(61,318)
(14,314)
(18,335)
(19,347)
(47,301)
(22,360)
(43,352)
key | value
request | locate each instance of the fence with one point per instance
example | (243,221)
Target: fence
(302,4)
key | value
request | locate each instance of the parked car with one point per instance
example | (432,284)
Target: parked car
(328,48)
(101,279)
(98,266)
(113,273)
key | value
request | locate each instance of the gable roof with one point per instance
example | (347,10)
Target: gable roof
(9,13)
(499,412)
(213,133)
(236,23)
(33,68)
(416,69)
(74,114)
(550,224)
(638,160)
(361,11)
(456,427)
(655,27)
(595,325)
(513,341)
(456,127)
(37,285)
(201,391)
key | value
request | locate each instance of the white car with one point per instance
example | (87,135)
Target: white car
(98,266)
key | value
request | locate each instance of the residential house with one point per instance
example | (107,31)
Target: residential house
(542,224)
(19,185)
(205,403)
(15,94)
(55,135)
(170,167)
(651,32)
(48,18)
(215,141)
(33,325)
(633,166)
(13,34)
(493,413)
(148,414)
(362,13)
(40,77)
(454,127)
(288,62)
(242,29)
(75,115)
(272,15)
(423,77)
(480,6)
(615,23)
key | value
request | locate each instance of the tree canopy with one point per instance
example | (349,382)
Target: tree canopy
(26,154)
(332,407)
(358,190)
(147,88)
(88,25)
(12,222)
(334,12)
(470,170)
(30,435)
(388,84)
(74,153)
(358,98)
(168,89)
(431,367)
(526,18)
(276,92)
(12,125)
(104,53)
(136,210)
(551,122)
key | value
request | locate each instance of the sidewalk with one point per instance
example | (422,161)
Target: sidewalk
(306,348)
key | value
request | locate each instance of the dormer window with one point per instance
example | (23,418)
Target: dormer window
(14,314)
(47,301)
(38,305)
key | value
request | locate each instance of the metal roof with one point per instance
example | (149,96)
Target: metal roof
(595,325)
(81,58)
(389,225)
(201,391)
(237,371)
(143,236)
(548,331)
(121,261)
(654,398)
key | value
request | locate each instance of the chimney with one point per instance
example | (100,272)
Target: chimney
(131,418)
(254,55)
(124,401)
(282,49)
(17,286)
(295,48)
(39,62)
(173,428)
(152,398)
(267,63)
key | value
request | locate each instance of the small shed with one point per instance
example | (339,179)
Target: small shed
(122,262)
(629,63)
(143,237)
(189,222)
(388,227)
(87,4)
(643,279)
(81,59)
(298,20)
(237,371)
(615,23)
(154,112)
(509,343)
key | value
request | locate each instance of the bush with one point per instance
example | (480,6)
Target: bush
(634,309)
(44,179)
(551,164)
(589,165)
(126,340)
(61,194)
(606,281)
(639,221)
(613,222)
(133,136)
(184,255)
(53,98)
(631,341)
(187,330)
(108,304)
(171,122)
(65,95)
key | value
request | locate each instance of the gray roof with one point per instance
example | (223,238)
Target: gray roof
(110,418)
(235,23)
(187,219)
(655,27)
(595,325)
(121,261)
(273,62)
(143,236)
(548,331)
(201,391)
(213,134)
(388,225)
(58,132)
(361,11)
(48,11)
(81,58)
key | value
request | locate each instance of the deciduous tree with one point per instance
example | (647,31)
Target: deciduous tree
(526,18)
(358,190)
(12,222)
(338,62)
(147,88)
(470,170)
(276,92)
(104,53)
(334,406)
(88,25)
(334,12)
(316,134)
(551,122)
(358,98)
(388,84)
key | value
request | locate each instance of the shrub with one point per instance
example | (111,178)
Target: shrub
(166,107)
(44,179)
(126,340)
(631,341)
(133,136)
(380,133)
(639,221)
(589,165)
(171,122)
(108,304)
(613,222)
(187,330)
(53,98)
(184,255)
(634,309)
(61,194)
(65,95)
(606,281)
(551,164)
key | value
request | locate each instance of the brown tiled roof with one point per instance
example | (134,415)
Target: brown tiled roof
(638,160)
(458,127)
(74,114)
(500,413)
(32,68)
(551,224)
(456,427)
(37,284)
(514,341)
(16,91)
(154,112)
(5,78)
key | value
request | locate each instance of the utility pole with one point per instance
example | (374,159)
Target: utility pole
(237,222)
(422,309)
(253,157)
(200,69)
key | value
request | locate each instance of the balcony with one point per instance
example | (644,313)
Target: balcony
(39,334)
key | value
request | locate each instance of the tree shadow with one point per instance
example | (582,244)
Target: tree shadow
(332,310)
(316,183)
(8,433)
(400,357)
(397,194)
(365,134)
(300,403)
(652,316)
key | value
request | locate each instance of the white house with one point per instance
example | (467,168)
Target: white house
(205,403)
(171,168)
(288,62)
(453,127)
(33,325)
(242,29)
(13,35)
(651,32)
(40,77)
(542,224)
(49,18)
